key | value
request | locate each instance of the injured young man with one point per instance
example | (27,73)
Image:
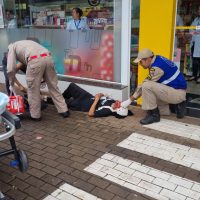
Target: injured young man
(99,105)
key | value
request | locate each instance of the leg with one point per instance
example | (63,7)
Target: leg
(34,73)
(51,79)
(163,108)
(153,93)
(75,91)
(198,80)
(81,99)
(195,67)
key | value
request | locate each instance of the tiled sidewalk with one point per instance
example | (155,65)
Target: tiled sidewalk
(106,158)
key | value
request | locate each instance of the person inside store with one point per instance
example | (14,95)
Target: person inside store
(179,22)
(10,20)
(77,23)
(164,85)
(39,65)
(195,49)
(99,105)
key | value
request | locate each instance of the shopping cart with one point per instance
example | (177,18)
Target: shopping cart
(8,125)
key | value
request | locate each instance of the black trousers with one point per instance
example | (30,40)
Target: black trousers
(196,67)
(77,98)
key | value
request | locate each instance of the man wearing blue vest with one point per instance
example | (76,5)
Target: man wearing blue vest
(165,84)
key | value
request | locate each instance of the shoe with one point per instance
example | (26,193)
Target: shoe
(152,116)
(65,114)
(35,119)
(191,78)
(180,109)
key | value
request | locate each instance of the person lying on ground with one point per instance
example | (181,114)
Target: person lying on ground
(99,105)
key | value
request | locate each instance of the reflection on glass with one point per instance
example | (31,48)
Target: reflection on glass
(87,52)
(83,56)
(134,43)
(187,42)
(93,58)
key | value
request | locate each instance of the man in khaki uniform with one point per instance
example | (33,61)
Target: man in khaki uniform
(164,85)
(39,66)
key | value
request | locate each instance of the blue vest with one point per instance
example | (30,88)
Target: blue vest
(172,76)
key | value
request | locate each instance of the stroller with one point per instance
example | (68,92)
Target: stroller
(8,125)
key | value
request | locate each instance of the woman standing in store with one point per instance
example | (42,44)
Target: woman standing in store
(77,23)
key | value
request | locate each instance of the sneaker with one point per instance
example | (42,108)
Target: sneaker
(65,114)
(180,109)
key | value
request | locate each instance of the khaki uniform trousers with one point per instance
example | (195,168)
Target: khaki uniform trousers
(38,69)
(156,94)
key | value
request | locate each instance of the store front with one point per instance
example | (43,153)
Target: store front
(90,56)
(187,49)
(172,33)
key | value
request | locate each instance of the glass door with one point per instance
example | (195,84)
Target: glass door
(187,47)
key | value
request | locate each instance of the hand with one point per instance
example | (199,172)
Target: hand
(98,96)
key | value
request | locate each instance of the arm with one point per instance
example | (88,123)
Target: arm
(154,75)
(93,107)
(11,64)
(21,87)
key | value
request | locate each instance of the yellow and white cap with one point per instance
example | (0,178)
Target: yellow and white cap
(145,53)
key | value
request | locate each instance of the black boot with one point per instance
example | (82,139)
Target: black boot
(180,109)
(65,114)
(152,116)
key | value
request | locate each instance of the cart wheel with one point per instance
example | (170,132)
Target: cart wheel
(23,161)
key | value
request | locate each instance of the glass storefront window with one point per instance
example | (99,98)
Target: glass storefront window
(187,42)
(134,43)
(88,53)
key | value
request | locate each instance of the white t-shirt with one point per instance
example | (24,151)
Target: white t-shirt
(77,25)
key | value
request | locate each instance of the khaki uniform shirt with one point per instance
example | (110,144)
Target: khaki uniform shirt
(21,51)
(155,74)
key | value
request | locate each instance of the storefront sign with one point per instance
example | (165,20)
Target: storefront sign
(1,17)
